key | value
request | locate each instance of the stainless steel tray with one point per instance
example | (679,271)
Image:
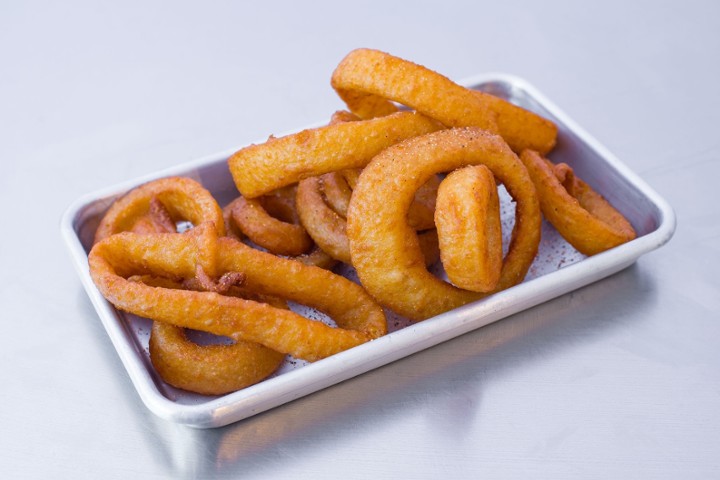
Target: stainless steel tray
(558,269)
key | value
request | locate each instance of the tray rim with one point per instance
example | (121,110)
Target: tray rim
(412,339)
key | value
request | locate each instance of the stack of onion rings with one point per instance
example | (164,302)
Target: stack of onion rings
(156,207)
(143,266)
(328,226)
(365,190)
(123,255)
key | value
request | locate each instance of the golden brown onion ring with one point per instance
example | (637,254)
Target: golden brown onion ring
(172,255)
(281,199)
(208,369)
(385,250)
(184,199)
(581,215)
(369,81)
(469,230)
(322,223)
(280,234)
(212,369)
(262,168)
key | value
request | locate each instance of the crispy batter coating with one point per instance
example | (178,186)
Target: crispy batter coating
(369,81)
(183,198)
(385,250)
(280,234)
(174,255)
(468,224)
(262,168)
(208,369)
(581,215)
(205,369)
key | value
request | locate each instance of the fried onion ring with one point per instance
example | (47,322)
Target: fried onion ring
(369,81)
(283,200)
(280,233)
(385,250)
(173,255)
(262,168)
(205,369)
(323,224)
(184,199)
(581,215)
(469,230)
(208,369)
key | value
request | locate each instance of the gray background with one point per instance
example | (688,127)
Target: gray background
(616,380)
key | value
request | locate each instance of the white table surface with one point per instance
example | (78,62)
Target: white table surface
(620,379)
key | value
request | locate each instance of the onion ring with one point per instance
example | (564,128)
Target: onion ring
(208,369)
(173,255)
(337,191)
(205,369)
(315,257)
(581,215)
(368,81)
(323,224)
(469,230)
(385,250)
(280,234)
(184,199)
(262,168)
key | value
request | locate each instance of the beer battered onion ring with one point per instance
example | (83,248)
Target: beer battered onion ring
(316,256)
(385,250)
(204,369)
(210,368)
(469,229)
(173,255)
(262,168)
(581,215)
(184,199)
(369,81)
(271,222)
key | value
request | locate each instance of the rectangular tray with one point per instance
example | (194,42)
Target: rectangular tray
(557,270)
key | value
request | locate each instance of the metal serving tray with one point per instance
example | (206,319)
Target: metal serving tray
(558,269)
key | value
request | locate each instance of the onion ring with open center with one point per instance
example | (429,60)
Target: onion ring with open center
(385,250)
(581,215)
(120,256)
(369,81)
